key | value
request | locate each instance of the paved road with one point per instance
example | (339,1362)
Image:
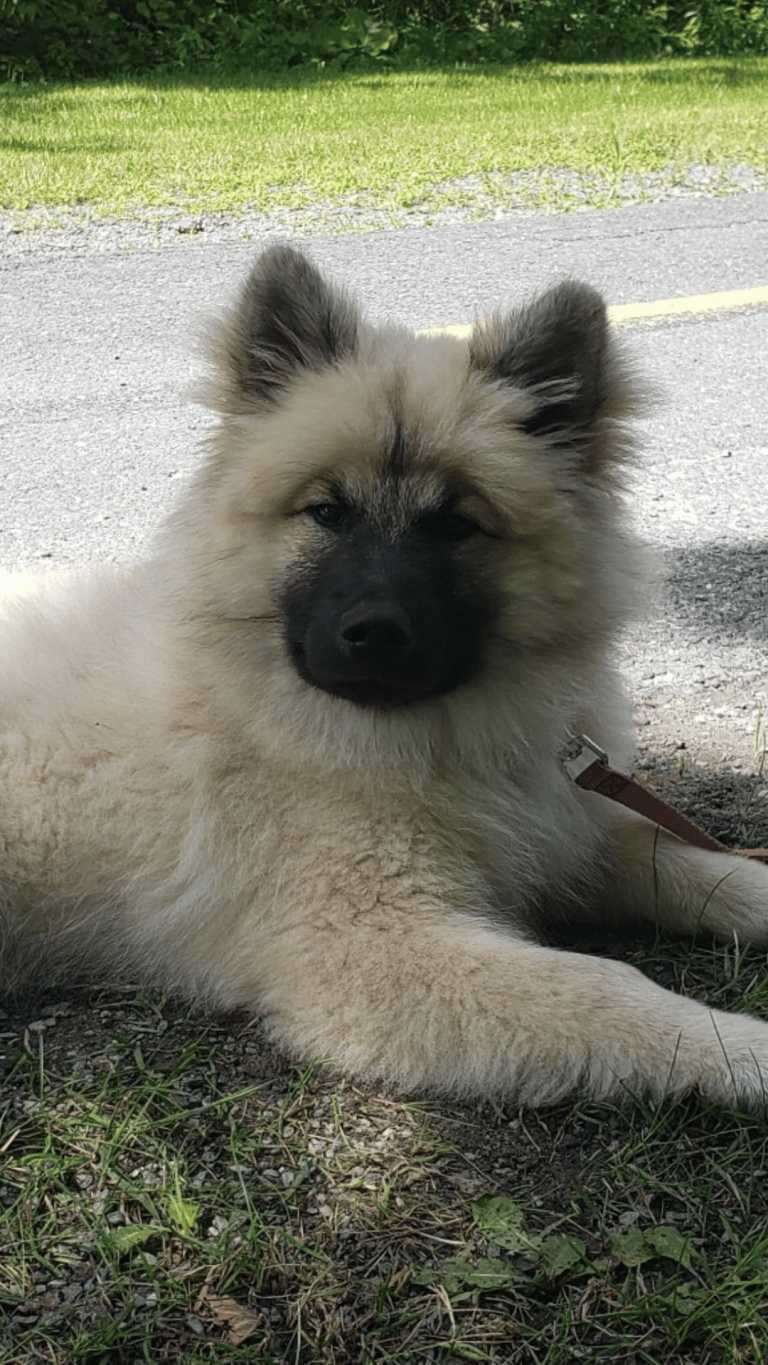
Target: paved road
(96,426)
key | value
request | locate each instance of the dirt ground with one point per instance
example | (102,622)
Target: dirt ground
(704,753)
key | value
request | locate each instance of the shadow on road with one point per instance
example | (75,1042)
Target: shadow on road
(722,589)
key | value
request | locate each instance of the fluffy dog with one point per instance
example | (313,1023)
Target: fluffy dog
(306,758)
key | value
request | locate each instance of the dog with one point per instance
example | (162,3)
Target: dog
(306,758)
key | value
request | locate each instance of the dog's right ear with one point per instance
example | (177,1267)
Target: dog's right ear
(288,319)
(556,349)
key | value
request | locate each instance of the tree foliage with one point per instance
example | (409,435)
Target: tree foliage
(80,38)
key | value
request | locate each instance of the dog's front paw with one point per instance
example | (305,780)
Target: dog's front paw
(734,1068)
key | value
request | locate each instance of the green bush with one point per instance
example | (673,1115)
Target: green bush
(71,38)
(77,38)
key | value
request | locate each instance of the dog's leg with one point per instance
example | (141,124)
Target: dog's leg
(428,999)
(654,876)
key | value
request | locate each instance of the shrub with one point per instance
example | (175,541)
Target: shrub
(75,38)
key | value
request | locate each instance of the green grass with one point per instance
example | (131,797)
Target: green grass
(171,1190)
(397,138)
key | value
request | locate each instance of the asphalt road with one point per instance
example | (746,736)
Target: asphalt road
(96,426)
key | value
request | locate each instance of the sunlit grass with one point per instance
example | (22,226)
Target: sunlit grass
(395,137)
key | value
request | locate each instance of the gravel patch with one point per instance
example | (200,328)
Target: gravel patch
(471,198)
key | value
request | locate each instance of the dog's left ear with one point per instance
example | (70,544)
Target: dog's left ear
(558,350)
(287,320)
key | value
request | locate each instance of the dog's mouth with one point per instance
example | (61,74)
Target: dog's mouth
(376,692)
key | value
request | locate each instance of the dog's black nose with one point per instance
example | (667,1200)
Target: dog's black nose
(376,631)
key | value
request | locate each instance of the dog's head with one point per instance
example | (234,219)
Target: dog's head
(396,519)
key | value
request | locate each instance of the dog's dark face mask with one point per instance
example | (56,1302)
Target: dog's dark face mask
(378,616)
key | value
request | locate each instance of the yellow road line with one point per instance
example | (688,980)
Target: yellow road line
(659,308)
(698,303)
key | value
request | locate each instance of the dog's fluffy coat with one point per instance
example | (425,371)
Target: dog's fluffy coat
(305,759)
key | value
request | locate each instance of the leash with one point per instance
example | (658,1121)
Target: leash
(587,765)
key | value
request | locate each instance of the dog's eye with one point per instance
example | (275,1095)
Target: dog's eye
(458,527)
(330,515)
(444,524)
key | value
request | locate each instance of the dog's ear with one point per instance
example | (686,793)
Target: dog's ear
(557,349)
(288,319)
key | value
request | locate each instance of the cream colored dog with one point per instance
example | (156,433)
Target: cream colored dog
(305,758)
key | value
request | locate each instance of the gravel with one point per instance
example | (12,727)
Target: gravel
(469,199)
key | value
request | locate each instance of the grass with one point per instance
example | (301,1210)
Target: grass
(172,1190)
(385,139)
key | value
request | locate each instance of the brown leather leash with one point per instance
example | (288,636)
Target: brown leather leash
(587,765)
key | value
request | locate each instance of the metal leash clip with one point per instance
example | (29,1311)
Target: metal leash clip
(578,752)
